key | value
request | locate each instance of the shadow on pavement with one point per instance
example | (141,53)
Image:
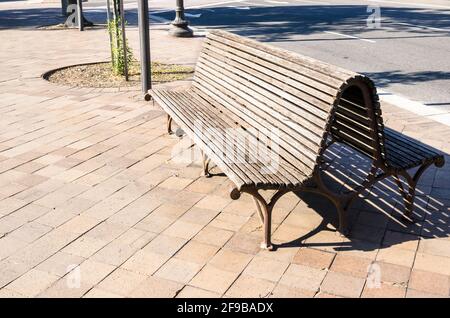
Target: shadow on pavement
(378,211)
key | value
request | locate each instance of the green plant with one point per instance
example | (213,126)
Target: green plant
(117,47)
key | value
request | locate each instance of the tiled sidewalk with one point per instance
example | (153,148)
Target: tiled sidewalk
(96,200)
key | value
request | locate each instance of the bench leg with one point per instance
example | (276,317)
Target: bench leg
(342,217)
(264,209)
(169,125)
(341,202)
(409,196)
(205,162)
(259,209)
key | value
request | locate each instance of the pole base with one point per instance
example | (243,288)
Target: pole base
(181,31)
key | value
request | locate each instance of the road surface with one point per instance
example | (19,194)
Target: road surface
(408,54)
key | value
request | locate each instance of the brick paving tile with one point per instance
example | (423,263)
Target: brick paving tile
(429,282)
(438,247)
(155,287)
(30,232)
(384,291)
(394,274)
(228,221)
(122,248)
(411,293)
(313,258)
(121,282)
(60,263)
(326,295)
(6,293)
(396,256)
(145,262)
(182,229)
(355,266)
(283,291)
(99,293)
(32,283)
(9,245)
(165,245)
(249,286)
(231,261)
(197,252)
(244,243)
(401,240)
(213,202)
(178,270)
(175,183)
(213,279)
(204,185)
(214,236)
(303,277)
(266,268)
(193,292)
(342,285)
(199,216)
(432,263)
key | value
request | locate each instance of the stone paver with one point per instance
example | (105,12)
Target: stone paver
(96,201)
(342,285)
(248,286)
(303,277)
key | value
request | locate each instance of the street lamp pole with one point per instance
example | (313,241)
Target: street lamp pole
(144,38)
(180,26)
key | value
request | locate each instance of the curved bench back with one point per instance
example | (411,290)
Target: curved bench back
(285,96)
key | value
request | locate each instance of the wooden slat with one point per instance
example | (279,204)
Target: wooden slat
(296,60)
(248,103)
(214,90)
(265,101)
(286,168)
(247,121)
(211,125)
(244,141)
(232,171)
(277,73)
(275,93)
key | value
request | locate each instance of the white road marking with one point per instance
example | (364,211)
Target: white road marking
(437,6)
(276,2)
(191,15)
(422,26)
(350,36)
(239,8)
(158,19)
(213,4)
(199,6)
(313,2)
(439,114)
(260,4)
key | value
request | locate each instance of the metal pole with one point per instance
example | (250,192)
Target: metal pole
(80,15)
(124,40)
(180,26)
(108,18)
(145,47)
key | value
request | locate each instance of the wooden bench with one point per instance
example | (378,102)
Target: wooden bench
(247,97)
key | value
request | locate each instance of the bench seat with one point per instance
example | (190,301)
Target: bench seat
(248,167)
(403,152)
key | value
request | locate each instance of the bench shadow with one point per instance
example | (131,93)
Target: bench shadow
(375,218)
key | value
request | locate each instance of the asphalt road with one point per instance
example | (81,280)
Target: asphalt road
(407,55)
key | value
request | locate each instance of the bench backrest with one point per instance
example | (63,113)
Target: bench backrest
(286,95)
